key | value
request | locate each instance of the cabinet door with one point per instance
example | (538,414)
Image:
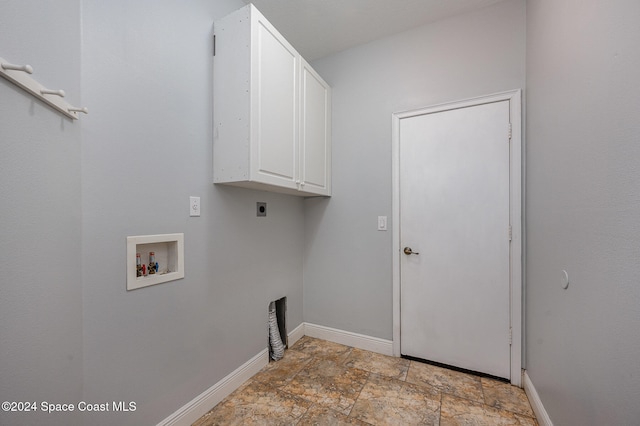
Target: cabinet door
(315,133)
(274,92)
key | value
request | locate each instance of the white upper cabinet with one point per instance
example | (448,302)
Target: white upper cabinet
(271,110)
(315,132)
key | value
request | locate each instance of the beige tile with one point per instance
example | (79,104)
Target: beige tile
(526,420)
(379,364)
(322,349)
(448,381)
(506,397)
(256,403)
(279,373)
(462,412)
(387,401)
(322,416)
(324,383)
(329,384)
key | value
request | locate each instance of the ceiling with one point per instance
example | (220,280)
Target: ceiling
(318,28)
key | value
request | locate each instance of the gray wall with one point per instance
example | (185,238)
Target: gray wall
(72,192)
(347,269)
(40,214)
(147,146)
(583,209)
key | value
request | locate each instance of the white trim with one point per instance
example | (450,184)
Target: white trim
(515,112)
(395,232)
(360,341)
(536,403)
(208,399)
(295,334)
(515,105)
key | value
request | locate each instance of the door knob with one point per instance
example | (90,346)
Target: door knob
(408,251)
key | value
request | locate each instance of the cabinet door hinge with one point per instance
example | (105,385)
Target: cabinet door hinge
(510,130)
(214,45)
(510,232)
(510,336)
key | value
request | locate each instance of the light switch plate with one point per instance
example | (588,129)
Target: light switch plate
(382,223)
(194,206)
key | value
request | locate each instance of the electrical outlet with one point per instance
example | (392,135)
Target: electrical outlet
(194,206)
(261,209)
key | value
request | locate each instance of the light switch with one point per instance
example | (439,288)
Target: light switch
(194,206)
(382,223)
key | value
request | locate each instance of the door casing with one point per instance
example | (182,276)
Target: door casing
(515,212)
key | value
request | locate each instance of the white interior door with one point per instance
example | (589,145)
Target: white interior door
(454,215)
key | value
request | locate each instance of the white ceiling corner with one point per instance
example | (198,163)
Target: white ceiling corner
(318,28)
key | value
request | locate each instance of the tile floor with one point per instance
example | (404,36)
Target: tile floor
(324,383)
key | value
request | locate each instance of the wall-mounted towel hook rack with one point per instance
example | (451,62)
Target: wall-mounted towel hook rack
(19,75)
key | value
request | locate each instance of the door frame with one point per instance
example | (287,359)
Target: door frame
(515,216)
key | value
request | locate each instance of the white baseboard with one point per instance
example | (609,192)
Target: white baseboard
(360,341)
(536,403)
(204,402)
(295,334)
